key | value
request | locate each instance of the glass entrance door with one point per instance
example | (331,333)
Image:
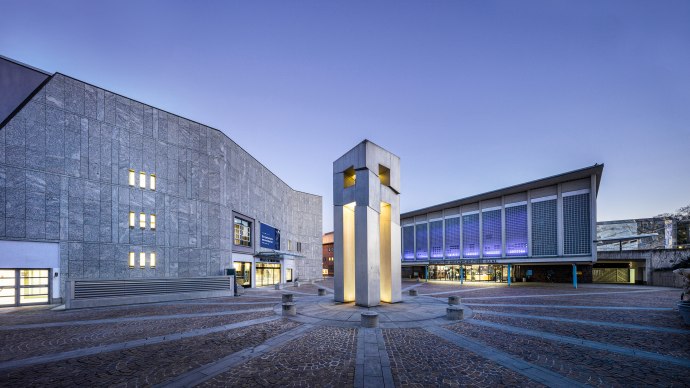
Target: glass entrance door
(24,286)
(267,274)
(243,273)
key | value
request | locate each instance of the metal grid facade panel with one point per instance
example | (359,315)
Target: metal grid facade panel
(544,228)
(453,237)
(422,239)
(408,242)
(436,239)
(516,230)
(491,231)
(470,235)
(577,238)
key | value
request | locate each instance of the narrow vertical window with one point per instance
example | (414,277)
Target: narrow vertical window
(152,182)
(132,178)
(152,222)
(142,220)
(142,179)
(142,259)
(132,219)
(131,259)
(152,260)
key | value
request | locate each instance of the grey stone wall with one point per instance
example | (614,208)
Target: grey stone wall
(64,162)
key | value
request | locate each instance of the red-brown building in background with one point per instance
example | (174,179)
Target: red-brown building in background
(328,254)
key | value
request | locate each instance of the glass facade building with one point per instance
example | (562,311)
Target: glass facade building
(538,224)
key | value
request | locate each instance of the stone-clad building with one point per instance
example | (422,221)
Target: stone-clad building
(94,185)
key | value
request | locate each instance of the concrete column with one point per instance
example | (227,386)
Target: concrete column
(368,257)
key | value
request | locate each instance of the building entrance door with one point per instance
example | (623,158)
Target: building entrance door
(267,274)
(24,287)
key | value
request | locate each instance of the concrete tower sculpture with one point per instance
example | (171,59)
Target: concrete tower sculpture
(366,199)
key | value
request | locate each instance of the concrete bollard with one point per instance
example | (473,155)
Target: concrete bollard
(287,298)
(289,309)
(322,291)
(296,283)
(369,319)
(454,313)
(413,292)
(453,300)
(279,286)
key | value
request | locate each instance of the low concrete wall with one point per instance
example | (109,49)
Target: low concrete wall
(666,279)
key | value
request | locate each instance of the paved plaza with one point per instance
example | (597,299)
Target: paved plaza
(524,335)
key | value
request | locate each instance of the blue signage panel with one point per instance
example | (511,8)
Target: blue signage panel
(270,237)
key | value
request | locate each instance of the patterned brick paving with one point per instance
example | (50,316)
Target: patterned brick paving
(146,365)
(420,359)
(19,316)
(672,344)
(325,357)
(592,367)
(32,342)
(669,319)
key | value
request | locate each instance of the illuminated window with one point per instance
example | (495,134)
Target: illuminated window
(243,232)
(142,259)
(349,177)
(152,260)
(132,219)
(142,179)
(132,178)
(152,182)
(142,220)
(152,223)
(131,259)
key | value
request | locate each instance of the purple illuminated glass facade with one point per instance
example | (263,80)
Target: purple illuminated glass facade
(491,233)
(516,230)
(453,237)
(408,242)
(436,239)
(470,235)
(422,241)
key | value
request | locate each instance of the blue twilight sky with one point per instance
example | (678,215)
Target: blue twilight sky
(472,95)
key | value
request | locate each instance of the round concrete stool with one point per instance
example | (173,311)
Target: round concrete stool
(453,300)
(287,298)
(413,292)
(370,319)
(289,309)
(454,313)
(322,291)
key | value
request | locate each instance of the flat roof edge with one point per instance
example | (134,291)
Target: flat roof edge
(596,169)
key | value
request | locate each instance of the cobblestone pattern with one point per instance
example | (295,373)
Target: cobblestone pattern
(45,315)
(325,357)
(592,367)
(670,319)
(617,298)
(16,344)
(146,365)
(677,345)
(420,359)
